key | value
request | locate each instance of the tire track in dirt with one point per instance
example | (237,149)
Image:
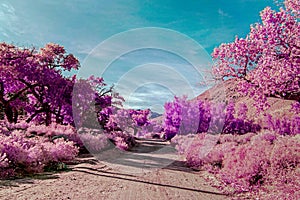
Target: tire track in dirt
(92,179)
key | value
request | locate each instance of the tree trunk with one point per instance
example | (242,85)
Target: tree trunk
(9,113)
(15,115)
(48,114)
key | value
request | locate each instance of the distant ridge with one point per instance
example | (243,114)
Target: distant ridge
(154,115)
(227,90)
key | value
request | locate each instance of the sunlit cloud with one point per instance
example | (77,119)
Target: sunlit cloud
(9,22)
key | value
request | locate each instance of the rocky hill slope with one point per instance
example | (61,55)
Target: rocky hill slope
(229,90)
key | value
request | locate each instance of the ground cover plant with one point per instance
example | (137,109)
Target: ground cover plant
(39,129)
(37,122)
(257,162)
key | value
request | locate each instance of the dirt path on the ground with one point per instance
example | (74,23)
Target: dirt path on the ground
(151,171)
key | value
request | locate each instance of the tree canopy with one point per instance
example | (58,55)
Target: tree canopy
(267,61)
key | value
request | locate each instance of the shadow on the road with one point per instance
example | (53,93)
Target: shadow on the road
(102,171)
(147,154)
(15,182)
(179,166)
(27,179)
(147,148)
(113,176)
(151,146)
(138,161)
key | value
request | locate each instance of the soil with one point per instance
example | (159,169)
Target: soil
(152,170)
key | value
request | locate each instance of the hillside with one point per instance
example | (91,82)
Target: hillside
(228,90)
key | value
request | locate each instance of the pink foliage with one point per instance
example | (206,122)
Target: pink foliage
(255,163)
(130,121)
(123,140)
(93,140)
(293,6)
(284,125)
(190,117)
(267,61)
(23,154)
(26,73)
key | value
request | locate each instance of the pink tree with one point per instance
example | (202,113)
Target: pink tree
(128,120)
(266,62)
(32,81)
(12,91)
(53,90)
(93,102)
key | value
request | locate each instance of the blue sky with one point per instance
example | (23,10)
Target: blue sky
(80,25)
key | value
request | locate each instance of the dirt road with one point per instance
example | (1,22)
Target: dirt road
(152,170)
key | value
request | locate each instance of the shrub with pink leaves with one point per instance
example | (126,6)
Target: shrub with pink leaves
(129,120)
(122,140)
(259,163)
(93,140)
(284,125)
(21,154)
(55,130)
(244,166)
(60,150)
(197,154)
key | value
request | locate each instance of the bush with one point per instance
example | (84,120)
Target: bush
(23,153)
(266,162)
(186,117)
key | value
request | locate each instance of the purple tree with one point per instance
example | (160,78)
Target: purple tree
(266,62)
(32,82)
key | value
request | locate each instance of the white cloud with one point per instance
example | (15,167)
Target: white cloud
(9,22)
(222,13)
(153,83)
